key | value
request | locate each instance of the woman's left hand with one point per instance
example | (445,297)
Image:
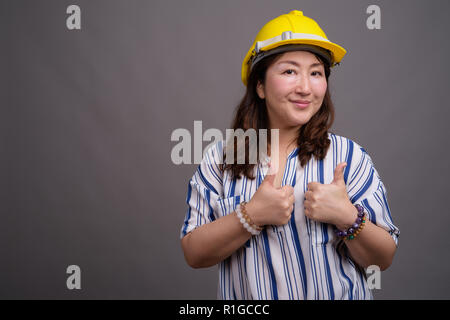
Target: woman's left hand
(329,203)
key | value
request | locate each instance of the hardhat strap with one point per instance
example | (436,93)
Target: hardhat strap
(287,35)
(325,54)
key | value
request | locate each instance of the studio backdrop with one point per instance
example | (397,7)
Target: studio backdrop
(92,91)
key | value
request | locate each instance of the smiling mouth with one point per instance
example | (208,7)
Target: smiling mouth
(302,104)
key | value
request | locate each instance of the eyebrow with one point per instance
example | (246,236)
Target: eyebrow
(297,65)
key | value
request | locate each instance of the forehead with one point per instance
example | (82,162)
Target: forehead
(302,58)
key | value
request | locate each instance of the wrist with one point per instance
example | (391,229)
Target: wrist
(347,219)
(352,232)
(247,223)
(252,210)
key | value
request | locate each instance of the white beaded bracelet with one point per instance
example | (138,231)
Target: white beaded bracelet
(244,222)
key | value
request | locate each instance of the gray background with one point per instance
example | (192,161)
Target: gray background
(87,117)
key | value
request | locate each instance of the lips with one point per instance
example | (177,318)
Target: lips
(302,104)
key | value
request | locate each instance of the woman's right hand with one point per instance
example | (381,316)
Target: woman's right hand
(271,205)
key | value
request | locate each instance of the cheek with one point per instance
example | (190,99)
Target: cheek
(320,88)
(277,87)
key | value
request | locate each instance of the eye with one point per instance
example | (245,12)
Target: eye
(316,73)
(289,71)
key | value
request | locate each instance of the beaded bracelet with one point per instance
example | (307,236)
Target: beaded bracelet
(245,220)
(352,232)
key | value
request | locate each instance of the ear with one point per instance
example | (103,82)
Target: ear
(260,90)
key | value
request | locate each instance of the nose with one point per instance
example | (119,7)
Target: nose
(302,86)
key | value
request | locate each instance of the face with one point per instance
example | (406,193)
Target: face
(294,89)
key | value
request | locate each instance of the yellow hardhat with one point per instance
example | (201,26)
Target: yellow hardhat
(293,31)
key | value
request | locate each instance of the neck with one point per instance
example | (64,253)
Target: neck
(287,139)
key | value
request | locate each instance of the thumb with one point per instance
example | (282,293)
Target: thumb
(270,176)
(339,173)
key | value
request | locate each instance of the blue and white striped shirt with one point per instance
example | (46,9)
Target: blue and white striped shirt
(302,259)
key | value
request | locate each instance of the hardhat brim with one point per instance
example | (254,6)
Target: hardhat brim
(324,53)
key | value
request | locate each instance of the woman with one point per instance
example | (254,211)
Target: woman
(306,221)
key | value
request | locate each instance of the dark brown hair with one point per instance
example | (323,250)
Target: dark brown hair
(251,113)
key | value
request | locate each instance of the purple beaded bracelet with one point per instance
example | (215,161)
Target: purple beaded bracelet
(350,232)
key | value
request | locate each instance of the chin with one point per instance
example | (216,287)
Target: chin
(299,121)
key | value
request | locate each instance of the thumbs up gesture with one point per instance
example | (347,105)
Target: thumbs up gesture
(329,203)
(271,205)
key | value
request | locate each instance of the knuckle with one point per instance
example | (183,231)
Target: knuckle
(306,212)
